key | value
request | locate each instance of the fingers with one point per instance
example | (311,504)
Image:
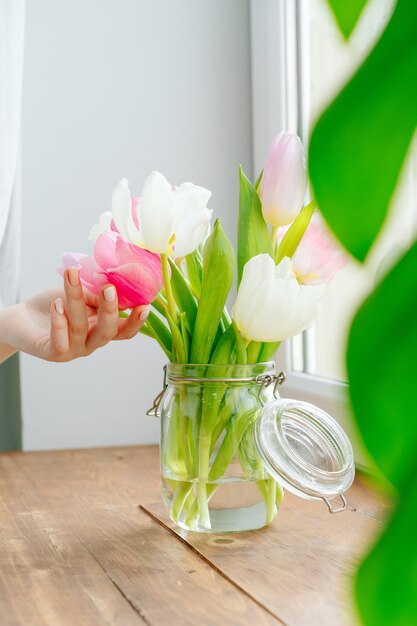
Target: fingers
(76,310)
(107,325)
(129,327)
(59,328)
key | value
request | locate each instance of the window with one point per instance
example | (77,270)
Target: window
(309,66)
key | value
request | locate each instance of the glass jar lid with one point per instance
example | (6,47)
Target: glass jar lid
(305,450)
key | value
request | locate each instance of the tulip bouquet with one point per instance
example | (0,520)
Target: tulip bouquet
(157,250)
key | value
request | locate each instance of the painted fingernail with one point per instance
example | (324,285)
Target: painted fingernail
(144,315)
(59,306)
(73,276)
(109,294)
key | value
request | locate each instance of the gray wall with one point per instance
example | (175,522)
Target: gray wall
(116,89)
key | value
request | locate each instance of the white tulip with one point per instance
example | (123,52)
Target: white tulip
(171,221)
(270,304)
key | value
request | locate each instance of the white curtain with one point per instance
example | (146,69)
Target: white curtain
(12,15)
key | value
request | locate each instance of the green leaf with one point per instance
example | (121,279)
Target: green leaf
(160,331)
(183,295)
(294,234)
(359,143)
(381,363)
(347,13)
(387,579)
(242,358)
(194,272)
(185,336)
(160,305)
(218,270)
(258,181)
(253,236)
(224,348)
(268,351)
(253,351)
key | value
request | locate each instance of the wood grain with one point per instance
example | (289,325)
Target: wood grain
(76,548)
(300,567)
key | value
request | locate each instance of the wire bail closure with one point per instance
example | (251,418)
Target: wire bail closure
(153,411)
(336,509)
(265,380)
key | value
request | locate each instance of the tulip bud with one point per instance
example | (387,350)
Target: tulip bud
(270,304)
(284,180)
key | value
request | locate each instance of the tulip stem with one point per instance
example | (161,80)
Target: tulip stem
(168,288)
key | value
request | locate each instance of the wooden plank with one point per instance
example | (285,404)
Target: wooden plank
(75,549)
(48,577)
(163,579)
(300,567)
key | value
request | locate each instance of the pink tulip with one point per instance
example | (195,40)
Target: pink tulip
(135,272)
(284,180)
(318,257)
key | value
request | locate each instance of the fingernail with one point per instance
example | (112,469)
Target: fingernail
(73,276)
(109,294)
(144,315)
(59,306)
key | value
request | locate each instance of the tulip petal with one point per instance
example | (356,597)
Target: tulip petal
(190,232)
(271,305)
(155,214)
(136,284)
(105,250)
(188,199)
(69,259)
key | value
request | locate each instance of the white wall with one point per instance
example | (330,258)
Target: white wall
(116,89)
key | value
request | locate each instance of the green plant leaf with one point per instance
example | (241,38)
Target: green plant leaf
(253,236)
(178,348)
(294,234)
(183,295)
(218,270)
(194,272)
(347,13)
(241,354)
(224,348)
(381,361)
(161,332)
(387,579)
(359,143)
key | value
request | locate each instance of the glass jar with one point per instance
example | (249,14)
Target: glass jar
(229,444)
(213,479)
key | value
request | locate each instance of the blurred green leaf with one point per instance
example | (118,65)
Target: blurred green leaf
(359,143)
(347,13)
(386,583)
(381,362)
(253,236)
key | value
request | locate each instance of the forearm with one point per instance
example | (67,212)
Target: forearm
(6,341)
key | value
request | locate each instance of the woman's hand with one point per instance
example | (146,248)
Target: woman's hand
(61,325)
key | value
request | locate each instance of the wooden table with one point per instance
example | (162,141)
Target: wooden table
(84,540)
